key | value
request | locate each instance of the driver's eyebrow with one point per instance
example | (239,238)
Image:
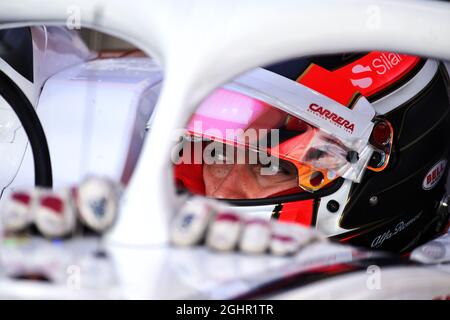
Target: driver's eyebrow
(283,164)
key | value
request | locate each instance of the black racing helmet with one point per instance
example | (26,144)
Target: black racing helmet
(400,201)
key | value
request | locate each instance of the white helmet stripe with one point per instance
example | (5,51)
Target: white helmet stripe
(300,101)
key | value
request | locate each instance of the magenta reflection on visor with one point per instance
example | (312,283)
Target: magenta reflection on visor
(225,111)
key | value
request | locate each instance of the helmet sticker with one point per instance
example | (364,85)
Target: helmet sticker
(377,71)
(400,227)
(434,175)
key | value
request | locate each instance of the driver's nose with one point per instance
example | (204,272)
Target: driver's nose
(239,182)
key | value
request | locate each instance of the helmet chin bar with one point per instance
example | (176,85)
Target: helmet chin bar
(197,62)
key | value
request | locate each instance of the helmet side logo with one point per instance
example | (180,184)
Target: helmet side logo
(377,70)
(362,82)
(434,175)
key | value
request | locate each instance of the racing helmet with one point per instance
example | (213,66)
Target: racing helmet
(354,145)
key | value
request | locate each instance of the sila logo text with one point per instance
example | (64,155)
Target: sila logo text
(385,62)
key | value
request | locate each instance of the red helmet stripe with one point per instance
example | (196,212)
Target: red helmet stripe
(329,84)
(300,212)
(377,71)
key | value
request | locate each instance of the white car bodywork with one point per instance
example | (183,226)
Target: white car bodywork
(95,116)
(202,44)
(54,49)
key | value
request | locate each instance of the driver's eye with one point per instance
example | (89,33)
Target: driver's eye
(315,154)
(280,168)
(219,155)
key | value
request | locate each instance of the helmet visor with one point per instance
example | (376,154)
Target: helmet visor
(235,129)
